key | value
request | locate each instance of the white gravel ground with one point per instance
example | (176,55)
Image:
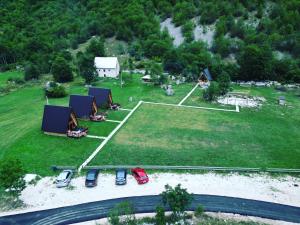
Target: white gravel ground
(45,195)
(175,32)
(207,36)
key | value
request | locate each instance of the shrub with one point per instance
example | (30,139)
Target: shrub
(55,90)
(199,211)
(31,72)
(16,80)
(211,92)
(178,199)
(160,218)
(122,214)
(187,30)
(11,175)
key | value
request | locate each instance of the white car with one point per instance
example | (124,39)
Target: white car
(64,178)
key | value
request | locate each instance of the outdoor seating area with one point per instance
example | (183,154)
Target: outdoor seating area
(61,120)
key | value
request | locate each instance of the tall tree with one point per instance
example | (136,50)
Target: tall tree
(96,48)
(61,70)
(86,67)
(255,63)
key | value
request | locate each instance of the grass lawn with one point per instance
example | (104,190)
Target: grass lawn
(21,117)
(166,135)
(155,134)
(9,74)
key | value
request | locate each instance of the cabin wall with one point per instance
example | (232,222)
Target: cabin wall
(113,73)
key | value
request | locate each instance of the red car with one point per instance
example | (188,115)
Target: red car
(140,175)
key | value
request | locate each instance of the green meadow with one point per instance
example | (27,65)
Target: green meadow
(155,134)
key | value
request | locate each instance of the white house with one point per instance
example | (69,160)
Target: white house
(107,66)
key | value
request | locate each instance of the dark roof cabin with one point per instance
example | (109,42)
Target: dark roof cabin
(83,106)
(58,119)
(205,75)
(102,95)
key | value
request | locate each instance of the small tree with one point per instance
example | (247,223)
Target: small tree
(31,72)
(61,70)
(211,92)
(224,83)
(156,72)
(178,199)
(11,175)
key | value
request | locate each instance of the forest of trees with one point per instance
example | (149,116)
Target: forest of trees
(37,33)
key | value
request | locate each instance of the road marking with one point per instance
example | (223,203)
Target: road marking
(96,137)
(189,106)
(113,121)
(188,95)
(237,109)
(125,109)
(91,157)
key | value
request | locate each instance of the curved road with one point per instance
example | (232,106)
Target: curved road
(146,204)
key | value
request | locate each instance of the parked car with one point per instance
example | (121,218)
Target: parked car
(140,175)
(91,178)
(121,176)
(64,178)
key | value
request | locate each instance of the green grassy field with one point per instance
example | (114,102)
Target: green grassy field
(155,134)
(166,135)
(9,74)
(21,115)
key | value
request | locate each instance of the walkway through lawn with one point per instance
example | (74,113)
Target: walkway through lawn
(131,111)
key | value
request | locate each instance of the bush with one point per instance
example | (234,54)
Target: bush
(178,199)
(55,90)
(212,92)
(31,72)
(16,80)
(160,218)
(188,29)
(199,211)
(11,175)
(122,214)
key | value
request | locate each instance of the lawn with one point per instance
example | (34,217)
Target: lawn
(21,116)
(155,134)
(9,74)
(166,135)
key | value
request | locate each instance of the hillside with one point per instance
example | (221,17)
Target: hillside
(250,40)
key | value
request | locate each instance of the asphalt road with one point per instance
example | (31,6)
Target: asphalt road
(146,204)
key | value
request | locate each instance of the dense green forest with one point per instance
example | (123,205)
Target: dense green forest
(37,32)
